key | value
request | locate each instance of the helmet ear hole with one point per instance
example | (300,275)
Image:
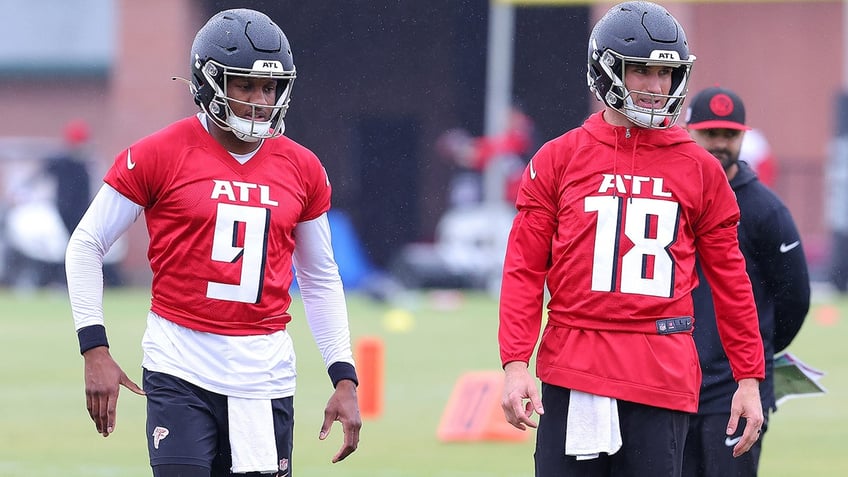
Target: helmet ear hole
(282,87)
(203,95)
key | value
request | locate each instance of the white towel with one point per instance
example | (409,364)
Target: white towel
(252,439)
(592,426)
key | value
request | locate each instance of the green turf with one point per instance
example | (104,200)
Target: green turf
(46,430)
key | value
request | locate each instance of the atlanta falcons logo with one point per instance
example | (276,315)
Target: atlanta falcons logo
(159,433)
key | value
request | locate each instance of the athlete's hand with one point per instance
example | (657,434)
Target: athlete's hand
(103,379)
(518,386)
(343,407)
(746,403)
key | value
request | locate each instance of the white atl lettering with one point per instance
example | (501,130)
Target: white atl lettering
(236,191)
(621,182)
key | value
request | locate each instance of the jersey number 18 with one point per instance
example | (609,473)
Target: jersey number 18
(651,226)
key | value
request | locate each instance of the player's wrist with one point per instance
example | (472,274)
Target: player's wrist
(515,365)
(751,382)
(91,337)
(341,370)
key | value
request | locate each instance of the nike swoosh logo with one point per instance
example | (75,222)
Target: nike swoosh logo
(130,163)
(731,442)
(532,171)
(784,247)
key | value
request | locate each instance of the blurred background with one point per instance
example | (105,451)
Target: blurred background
(424,113)
(388,94)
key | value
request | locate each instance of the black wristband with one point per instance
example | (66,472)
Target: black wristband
(341,370)
(92,337)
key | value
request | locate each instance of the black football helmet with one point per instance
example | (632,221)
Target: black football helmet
(642,33)
(246,43)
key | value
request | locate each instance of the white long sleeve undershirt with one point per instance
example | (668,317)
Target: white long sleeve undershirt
(107,218)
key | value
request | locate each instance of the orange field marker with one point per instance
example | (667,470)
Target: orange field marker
(369,357)
(474,413)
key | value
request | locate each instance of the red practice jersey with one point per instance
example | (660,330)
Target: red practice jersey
(221,232)
(611,219)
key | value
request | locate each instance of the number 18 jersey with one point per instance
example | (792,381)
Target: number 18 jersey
(610,220)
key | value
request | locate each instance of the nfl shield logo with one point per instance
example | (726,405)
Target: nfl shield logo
(284,468)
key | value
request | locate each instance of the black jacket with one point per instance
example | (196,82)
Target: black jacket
(777,268)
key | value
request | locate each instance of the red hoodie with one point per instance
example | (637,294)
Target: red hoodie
(610,219)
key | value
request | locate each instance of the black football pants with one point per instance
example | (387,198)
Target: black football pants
(652,441)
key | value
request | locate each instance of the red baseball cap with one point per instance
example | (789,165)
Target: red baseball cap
(716,108)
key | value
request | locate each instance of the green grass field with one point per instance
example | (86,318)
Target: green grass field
(430,341)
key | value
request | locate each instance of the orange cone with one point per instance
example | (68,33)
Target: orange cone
(369,356)
(474,413)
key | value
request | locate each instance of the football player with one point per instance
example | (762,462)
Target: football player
(230,204)
(610,218)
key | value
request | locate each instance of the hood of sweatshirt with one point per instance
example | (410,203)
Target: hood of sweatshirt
(633,144)
(618,136)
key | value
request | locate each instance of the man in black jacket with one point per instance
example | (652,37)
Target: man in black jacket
(775,262)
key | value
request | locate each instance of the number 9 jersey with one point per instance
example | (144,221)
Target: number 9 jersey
(221,232)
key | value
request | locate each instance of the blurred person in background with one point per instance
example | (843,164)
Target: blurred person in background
(70,171)
(230,206)
(611,216)
(777,267)
(47,207)
(509,151)
(757,153)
